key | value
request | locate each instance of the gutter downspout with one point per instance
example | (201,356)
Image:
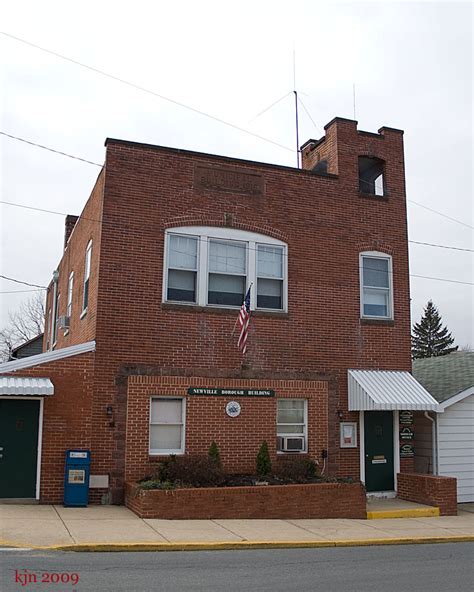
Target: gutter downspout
(433,443)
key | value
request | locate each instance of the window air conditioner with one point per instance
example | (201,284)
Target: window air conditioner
(290,443)
(63,322)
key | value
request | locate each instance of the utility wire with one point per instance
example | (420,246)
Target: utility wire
(21,291)
(20,282)
(16,205)
(439,213)
(148,91)
(49,149)
(99,165)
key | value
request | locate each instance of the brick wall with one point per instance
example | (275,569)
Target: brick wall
(321,500)
(429,489)
(326,224)
(238,438)
(67,418)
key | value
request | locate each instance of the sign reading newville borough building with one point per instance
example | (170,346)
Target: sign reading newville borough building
(219,392)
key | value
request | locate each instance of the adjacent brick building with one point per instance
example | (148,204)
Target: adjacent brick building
(146,297)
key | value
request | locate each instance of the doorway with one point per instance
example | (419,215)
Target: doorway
(378,453)
(19,430)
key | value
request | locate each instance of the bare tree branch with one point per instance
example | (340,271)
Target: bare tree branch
(24,324)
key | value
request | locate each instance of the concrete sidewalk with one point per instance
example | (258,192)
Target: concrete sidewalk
(116,528)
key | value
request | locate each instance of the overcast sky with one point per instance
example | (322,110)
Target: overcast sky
(411,64)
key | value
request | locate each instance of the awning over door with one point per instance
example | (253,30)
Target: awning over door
(385,390)
(24,386)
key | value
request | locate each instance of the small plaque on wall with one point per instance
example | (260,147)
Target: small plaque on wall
(406,417)
(407,450)
(348,434)
(406,433)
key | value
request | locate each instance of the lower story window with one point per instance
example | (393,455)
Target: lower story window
(292,425)
(167,425)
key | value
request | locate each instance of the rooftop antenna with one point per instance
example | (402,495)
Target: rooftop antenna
(354,98)
(296,110)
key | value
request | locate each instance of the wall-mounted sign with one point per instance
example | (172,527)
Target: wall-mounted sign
(406,417)
(407,450)
(229,392)
(233,409)
(228,179)
(348,434)
(406,433)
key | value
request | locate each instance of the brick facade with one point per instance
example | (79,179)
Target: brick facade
(147,347)
(432,490)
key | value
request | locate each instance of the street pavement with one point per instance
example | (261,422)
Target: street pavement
(417,568)
(116,527)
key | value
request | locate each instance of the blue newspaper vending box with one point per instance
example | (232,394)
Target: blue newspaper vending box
(76,477)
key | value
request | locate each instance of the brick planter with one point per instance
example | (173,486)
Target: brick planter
(432,490)
(315,500)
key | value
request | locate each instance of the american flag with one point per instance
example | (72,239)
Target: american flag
(244,319)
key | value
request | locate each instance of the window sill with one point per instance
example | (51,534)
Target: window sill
(380,322)
(221,310)
(373,196)
(83,313)
(158,455)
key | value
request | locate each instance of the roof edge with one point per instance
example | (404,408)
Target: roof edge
(44,358)
(453,399)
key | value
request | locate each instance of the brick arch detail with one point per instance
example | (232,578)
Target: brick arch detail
(375,245)
(228,221)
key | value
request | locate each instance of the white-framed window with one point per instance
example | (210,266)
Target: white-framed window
(69,294)
(292,425)
(87,273)
(167,425)
(376,290)
(213,266)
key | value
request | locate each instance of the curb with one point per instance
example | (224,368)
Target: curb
(403,513)
(240,545)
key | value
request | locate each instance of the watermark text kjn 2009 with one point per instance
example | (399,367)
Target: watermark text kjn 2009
(25,577)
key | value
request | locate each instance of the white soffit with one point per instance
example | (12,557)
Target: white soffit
(387,390)
(50,356)
(21,386)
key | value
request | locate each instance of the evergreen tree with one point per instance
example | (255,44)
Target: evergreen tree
(429,337)
(264,463)
(214,454)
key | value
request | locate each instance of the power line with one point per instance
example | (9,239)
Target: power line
(49,149)
(21,291)
(148,91)
(20,282)
(440,214)
(441,246)
(16,205)
(105,222)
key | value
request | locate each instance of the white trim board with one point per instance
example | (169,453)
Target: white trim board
(456,398)
(44,358)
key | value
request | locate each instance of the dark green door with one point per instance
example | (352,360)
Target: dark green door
(18,447)
(378,435)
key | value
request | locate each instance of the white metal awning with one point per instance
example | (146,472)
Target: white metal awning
(386,390)
(22,385)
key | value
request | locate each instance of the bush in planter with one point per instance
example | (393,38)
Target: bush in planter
(297,469)
(263,464)
(191,471)
(214,454)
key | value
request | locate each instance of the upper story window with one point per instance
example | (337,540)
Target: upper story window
(55,320)
(376,292)
(87,273)
(371,178)
(69,294)
(211,266)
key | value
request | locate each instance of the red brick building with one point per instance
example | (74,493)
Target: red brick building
(141,341)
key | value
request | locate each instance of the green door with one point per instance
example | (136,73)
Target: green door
(378,436)
(18,447)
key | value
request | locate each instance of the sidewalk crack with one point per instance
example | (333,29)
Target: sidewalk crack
(229,530)
(65,525)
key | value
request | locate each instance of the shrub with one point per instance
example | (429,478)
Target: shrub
(190,470)
(297,469)
(214,454)
(263,464)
